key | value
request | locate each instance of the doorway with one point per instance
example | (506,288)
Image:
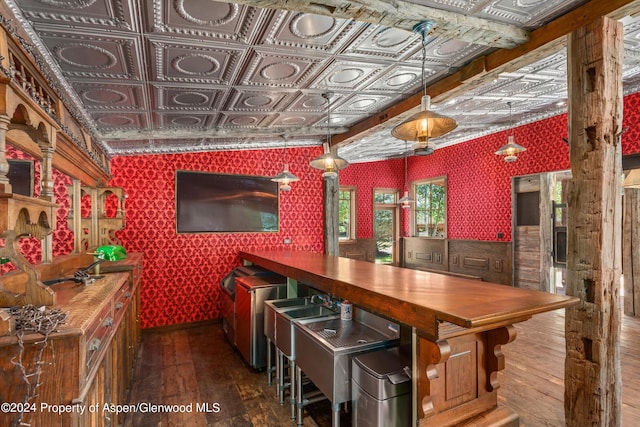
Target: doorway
(385,225)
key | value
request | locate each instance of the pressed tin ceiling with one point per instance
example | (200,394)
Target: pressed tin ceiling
(193,75)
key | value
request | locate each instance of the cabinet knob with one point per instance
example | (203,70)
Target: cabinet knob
(94,345)
(108,322)
(119,305)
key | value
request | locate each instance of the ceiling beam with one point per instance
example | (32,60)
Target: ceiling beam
(404,15)
(161,134)
(543,42)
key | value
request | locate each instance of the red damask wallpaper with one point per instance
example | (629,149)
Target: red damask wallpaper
(182,271)
(479,182)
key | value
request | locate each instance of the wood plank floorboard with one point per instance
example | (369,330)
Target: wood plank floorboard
(196,364)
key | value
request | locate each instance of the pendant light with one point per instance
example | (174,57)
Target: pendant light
(425,124)
(330,163)
(406,200)
(285,178)
(511,149)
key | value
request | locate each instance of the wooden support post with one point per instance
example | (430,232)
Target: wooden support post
(331,193)
(46,177)
(631,251)
(592,328)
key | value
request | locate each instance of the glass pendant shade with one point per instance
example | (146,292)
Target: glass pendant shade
(424,125)
(632,180)
(285,178)
(510,150)
(406,200)
(329,163)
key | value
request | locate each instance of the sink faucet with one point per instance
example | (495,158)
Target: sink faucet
(325,300)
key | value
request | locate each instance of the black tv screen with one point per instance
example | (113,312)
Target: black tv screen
(212,202)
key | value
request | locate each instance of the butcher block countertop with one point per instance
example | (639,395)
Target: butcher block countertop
(417,298)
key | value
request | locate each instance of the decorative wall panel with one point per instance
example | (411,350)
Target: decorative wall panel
(62,237)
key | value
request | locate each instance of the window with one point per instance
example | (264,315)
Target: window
(385,196)
(347,213)
(385,220)
(430,212)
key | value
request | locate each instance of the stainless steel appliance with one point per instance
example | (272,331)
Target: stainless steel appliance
(381,389)
(228,287)
(324,349)
(250,295)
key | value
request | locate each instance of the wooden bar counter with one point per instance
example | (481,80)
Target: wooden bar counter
(458,326)
(88,362)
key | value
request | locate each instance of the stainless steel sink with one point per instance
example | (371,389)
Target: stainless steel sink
(270,309)
(284,338)
(324,348)
(279,318)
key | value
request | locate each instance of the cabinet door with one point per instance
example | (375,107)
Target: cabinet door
(243,321)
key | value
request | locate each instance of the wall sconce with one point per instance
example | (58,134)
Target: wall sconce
(511,149)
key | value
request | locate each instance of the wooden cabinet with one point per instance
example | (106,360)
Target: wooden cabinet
(88,363)
(473,259)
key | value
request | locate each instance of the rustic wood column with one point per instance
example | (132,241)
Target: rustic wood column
(631,251)
(331,193)
(592,328)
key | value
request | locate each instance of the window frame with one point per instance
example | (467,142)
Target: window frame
(353,212)
(414,208)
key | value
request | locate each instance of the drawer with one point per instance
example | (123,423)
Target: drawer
(121,302)
(98,337)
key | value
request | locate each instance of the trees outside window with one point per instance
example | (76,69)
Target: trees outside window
(430,211)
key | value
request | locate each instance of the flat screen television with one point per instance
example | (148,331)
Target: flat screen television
(213,202)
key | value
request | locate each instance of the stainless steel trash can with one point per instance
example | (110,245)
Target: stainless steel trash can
(381,389)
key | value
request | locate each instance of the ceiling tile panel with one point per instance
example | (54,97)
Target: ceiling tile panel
(112,15)
(307,101)
(186,98)
(450,53)
(258,100)
(401,80)
(348,75)
(120,120)
(361,103)
(294,120)
(278,70)
(201,19)
(300,31)
(184,120)
(101,96)
(383,42)
(89,55)
(158,75)
(244,120)
(195,63)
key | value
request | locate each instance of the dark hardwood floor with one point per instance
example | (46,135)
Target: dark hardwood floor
(196,365)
